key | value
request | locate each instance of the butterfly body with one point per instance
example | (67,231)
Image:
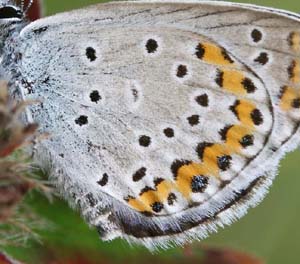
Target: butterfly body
(166,119)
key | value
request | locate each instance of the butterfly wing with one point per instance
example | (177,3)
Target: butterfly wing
(166,119)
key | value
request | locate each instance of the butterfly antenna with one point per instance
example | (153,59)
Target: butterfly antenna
(27,7)
(22,5)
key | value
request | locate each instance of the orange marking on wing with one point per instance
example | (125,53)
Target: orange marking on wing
(234,135)
(149,197)
(288,96)
(215,54)
(294,41)
(138,205)
(163,189)
(244,110)
(185,175)
(294,71)
(232,81)
(211,155)
(146,199)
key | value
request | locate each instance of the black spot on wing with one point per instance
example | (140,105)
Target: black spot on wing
(247,140)
(283,90)
(169,132)
(95,96)
(263,58)
(201,148)
(157,207)
(151,46)
(177,164)
(139,174)
(171,198)
(199,183)
(144,141)
(91,54)
(291,69)
(233,108)
(104,180)
(224,162)
(296,103)
(226,56)
(256,35)
(193,120)
(223,132)
(220,78)
(200,51)
(146,189)
(181,71)
(202,100)
(81,120)
(135,94)
(158,181)
(256,117)
(249,85)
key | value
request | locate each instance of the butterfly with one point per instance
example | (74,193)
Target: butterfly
(167,120)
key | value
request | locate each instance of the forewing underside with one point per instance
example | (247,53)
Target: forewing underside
(163,116)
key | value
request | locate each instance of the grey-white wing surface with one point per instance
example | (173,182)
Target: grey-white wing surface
(166,120)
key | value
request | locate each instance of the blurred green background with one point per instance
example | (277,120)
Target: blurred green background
(270,231)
